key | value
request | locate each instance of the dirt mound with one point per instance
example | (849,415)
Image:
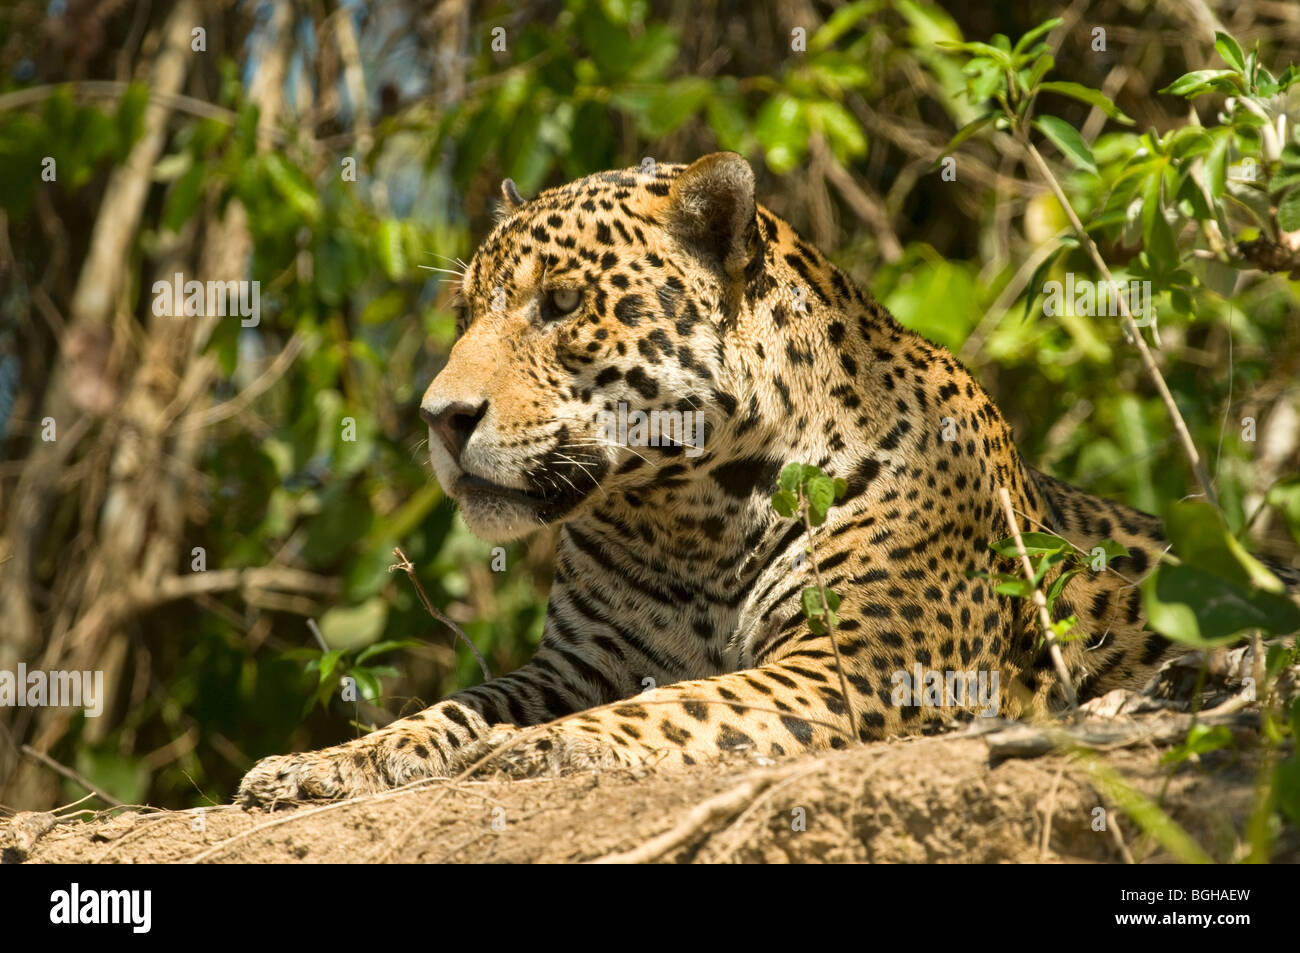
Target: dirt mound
(1010,793)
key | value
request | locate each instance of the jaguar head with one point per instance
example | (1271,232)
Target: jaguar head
(591,337)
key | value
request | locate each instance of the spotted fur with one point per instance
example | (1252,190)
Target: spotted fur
(671,570)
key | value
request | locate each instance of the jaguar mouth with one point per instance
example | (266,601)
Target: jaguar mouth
(477,488)
(555,484)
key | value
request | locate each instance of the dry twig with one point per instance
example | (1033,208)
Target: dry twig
(725,804)
(71,775)
(409,568)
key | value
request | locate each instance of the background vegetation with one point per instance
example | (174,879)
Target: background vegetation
(184,434)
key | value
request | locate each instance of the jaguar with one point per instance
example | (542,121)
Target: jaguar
(674,630)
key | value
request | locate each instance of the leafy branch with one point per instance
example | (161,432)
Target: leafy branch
(807,493)
(1040,601)
(1046,552)
(1013,76)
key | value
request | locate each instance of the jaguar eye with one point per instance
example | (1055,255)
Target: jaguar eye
(562,301)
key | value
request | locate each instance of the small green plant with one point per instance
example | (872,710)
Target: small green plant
(1201,739)
(332,666)
(1047,552)
(807,493)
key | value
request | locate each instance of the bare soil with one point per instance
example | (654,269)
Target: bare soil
(993,797)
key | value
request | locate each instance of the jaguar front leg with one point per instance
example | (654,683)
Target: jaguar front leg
(427,745)
(440,741)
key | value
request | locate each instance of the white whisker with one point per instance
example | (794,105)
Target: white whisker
(445,271)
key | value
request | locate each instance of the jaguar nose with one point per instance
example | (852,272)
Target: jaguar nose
(453,423)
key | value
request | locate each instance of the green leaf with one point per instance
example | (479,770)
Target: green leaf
(320,698)
(1200,538)
(785,503)
(1216,166)
(986,78)
(367,683)
(328,662)
(1195,607)
(130,117)
(184,197)
(1201,739)
(791,476)
(355,625)
(840,128)
(292,185)
(1062,627)
(1196,83)
(1042,66)
(671,105)
(1000,57)
(1036,544)
(1067,139)
(1228,48)
(839,23)
(1157,234)
(1189,142)
(1045,562)
(964,133)
(1058,586)
(821,494)
(1015,586)
(1044,268)
(782,130)
(1285,495)
(1288,788)
(818,617)
(1283,181)
(729,122)
(1288,211)
(1086,94)
(1043,28)
(1146,814)
(1112,549)
(171,167)
(384,307)
(811,599)
(389,645)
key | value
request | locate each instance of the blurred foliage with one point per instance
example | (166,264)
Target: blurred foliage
(843,122)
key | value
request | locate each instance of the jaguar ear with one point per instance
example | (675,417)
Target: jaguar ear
(510,193)
(711,211)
